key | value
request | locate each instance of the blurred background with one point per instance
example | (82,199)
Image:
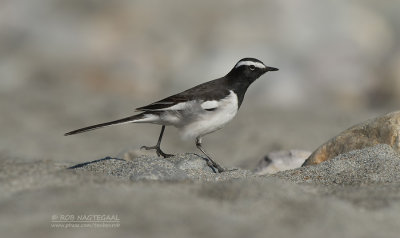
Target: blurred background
(66,64)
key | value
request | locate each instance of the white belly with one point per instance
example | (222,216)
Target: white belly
(210,121)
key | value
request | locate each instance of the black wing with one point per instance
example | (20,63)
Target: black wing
(212,90)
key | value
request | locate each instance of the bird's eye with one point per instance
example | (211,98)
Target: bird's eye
(252,67)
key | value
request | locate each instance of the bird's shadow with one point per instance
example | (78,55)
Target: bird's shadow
(92,162)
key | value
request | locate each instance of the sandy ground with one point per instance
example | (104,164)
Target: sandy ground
(356,195)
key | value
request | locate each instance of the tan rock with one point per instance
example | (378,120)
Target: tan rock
(381,130)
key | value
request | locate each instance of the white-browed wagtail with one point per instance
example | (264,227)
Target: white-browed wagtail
(200,110)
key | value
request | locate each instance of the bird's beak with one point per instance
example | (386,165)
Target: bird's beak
(267,68)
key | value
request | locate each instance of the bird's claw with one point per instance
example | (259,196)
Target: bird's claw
(158,151)
(214,166)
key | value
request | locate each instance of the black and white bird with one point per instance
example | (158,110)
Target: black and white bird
(200,110)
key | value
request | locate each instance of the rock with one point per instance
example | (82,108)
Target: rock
(368,178)
(380,130)
(372,165)
(155,168)
(177,168)
(281,160)
(131,154)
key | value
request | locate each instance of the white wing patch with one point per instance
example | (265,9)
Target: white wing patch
(248,62)
(207,105)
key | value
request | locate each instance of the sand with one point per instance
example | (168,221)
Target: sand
(354,195)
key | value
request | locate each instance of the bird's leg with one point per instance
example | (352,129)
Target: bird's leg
(157,147)
(210,162)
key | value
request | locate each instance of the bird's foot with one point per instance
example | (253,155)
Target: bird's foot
(158,151)
(219,168)
(214,166)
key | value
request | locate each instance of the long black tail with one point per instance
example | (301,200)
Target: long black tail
(111,123)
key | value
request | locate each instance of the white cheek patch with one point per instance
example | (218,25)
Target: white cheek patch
(207,105)
(256,64)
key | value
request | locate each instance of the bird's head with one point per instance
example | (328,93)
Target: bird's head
(250,69)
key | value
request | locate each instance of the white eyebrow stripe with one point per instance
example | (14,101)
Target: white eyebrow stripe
(209,104)
(256,64)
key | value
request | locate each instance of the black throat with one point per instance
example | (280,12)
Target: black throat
(239,85)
